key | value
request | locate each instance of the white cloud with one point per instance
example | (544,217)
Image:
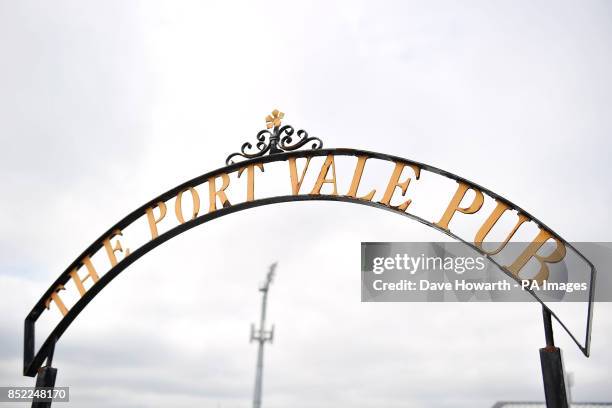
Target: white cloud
(105,105)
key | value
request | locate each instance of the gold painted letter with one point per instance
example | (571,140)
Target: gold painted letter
(58,302)
(110,250)
(295,182)
(482,233)
(532,252)
(153,221)
(453,207)
(178,205)
(91,273)
(214,193)
(395,183)
(322,179)
(361,160)
(251,178)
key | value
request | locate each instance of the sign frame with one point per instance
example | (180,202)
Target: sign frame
(33,360)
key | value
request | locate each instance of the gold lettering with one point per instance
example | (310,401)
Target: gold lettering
(251,178)
(296,183)
(453,206)
(91,273)
(154,221)
(361,160)
(484,230)
(322,179)
(532,252)
(110,249)
(57,300)
(395,183)
(214,193)
(178,206)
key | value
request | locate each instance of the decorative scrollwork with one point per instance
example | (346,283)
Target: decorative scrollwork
(280,139)
(247,151)
(287,142)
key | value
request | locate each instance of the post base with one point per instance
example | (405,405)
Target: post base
(553,375)
(45,378)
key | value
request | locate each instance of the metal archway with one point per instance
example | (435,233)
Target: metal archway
(278,145)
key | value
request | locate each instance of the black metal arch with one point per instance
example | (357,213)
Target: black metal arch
(34,360)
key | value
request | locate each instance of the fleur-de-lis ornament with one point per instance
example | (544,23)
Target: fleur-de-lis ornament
(274,120)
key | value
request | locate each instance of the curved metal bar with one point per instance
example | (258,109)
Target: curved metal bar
(33,361)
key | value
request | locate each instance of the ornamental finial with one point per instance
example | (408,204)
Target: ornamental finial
(275,139)
(274,120)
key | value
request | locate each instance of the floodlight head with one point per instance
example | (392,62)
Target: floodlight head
(270,277)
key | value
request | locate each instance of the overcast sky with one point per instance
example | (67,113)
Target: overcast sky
(104,105)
